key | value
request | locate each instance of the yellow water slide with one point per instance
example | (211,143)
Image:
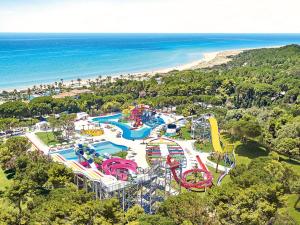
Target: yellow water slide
(215,135)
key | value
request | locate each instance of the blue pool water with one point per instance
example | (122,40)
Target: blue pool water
(32,59)
(129,134)
(103,147)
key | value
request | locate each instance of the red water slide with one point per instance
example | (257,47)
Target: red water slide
(207,176)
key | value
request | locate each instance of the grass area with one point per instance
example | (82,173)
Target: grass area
(293,205)
(49,138)
(245,152)
(121,154)
(213,159)
(4,179)
(184,133)
(216,175)
(204,147)
(251,149)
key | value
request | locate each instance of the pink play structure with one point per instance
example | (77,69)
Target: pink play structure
(207,176)
(119,168)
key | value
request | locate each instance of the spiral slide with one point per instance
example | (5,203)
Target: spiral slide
(215,135)
(207,176)
(119,168)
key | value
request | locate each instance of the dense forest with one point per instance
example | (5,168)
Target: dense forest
(256,99)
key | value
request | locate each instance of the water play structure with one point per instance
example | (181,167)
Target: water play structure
(144,114)
(187,179)
(87,153)
(119,168)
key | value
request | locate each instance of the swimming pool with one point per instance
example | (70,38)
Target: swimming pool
(129,134)
(101,148)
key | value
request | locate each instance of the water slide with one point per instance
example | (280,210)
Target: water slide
(202,165)
(207,176)
(215,135)
(90,173)
(217,145)
(83,150)
(119,167)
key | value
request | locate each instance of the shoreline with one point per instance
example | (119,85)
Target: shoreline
(209,60)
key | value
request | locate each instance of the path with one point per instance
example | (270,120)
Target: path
(37,142)
(191,153)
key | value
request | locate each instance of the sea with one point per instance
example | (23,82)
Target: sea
(28,59)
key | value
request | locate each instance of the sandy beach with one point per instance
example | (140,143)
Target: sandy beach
(209,60)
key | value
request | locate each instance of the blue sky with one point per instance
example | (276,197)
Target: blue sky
(180,16)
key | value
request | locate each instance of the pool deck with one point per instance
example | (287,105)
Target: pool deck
(137,147)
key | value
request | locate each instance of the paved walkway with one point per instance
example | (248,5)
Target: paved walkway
(191,153)
(37,142)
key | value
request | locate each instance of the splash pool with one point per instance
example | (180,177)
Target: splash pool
(101,148)
(129,134)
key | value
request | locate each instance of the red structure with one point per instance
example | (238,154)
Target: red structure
(206,182)
(136,114)
(119,168)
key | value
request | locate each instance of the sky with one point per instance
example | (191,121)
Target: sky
(150,16)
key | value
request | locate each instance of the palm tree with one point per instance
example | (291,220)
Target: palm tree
(28,93)
(15,93)
(79,81)
(60,85)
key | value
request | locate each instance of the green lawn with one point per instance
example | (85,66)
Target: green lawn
(216,175)
(293,208)
(245,152)
(203,147)
(121,154)
(49,138)
(183,134)
(221,162)
(4,181)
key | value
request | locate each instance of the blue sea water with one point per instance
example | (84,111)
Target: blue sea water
(28,59)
